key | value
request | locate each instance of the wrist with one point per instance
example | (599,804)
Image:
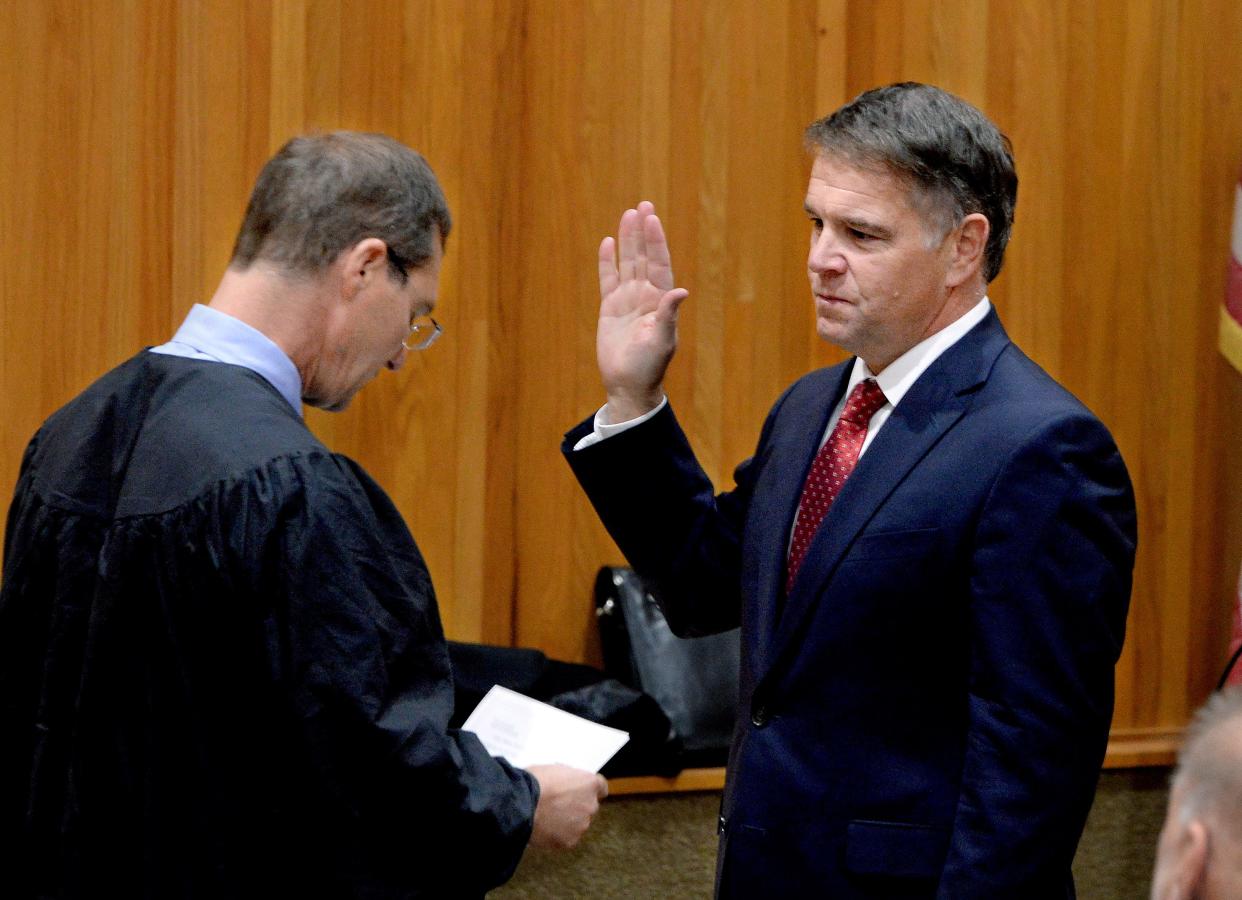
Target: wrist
(624,407)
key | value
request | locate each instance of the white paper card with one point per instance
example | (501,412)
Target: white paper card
(529,733)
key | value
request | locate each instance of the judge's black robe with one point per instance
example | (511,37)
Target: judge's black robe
(222,668)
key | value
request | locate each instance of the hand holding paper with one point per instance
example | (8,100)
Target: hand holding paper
(568,801)
(561,750)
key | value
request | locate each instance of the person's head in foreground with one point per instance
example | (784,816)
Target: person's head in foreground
(1200,851)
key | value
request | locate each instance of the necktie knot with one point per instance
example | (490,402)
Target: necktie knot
(863,402)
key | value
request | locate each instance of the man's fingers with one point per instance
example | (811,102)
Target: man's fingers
(628,234)
(608,279)
(644,210)
(601,787)
(659,264)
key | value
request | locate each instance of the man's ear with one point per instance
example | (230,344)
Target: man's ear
(362,264)
(1190,869)
(968,241)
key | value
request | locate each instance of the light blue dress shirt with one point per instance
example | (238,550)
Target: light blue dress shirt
(210,334)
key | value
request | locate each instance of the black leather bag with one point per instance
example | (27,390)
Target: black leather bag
(693,679)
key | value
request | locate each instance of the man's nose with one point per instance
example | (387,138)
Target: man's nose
(825,256)
(396,361)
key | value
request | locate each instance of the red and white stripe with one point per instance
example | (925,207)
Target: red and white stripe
(1231,309)
(1231,346)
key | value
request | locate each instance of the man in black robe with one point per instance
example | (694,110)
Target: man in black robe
(222,668)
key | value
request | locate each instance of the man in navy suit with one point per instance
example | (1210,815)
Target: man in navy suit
(929,553)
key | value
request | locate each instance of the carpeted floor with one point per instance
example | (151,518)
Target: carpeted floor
(664,847)
(1118,847)
(640,846)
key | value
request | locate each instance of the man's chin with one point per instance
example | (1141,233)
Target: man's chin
(328,405)
(832,331)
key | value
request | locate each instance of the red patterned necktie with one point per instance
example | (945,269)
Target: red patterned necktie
(833,464)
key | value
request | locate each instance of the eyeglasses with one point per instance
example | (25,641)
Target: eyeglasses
(424,331)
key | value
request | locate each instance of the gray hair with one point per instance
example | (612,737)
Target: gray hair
(949,152)
(322,194)
(1209,765)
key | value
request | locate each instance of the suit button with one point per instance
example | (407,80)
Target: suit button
(721,824)
(759,716)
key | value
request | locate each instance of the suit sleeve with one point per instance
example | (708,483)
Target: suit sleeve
(1049,588)
(363,656)
(660,507)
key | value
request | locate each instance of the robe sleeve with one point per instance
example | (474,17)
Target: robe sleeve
(361,653)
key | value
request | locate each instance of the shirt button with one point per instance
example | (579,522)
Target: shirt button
(759,716)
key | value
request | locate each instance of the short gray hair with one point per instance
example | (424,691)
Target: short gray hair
(945,149)
(321,194)
(1209,765)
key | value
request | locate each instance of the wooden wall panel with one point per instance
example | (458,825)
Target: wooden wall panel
(1212,37)
(136,128)
(219,115)
(85,183)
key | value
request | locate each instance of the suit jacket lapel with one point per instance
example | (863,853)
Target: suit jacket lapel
(792,453)
(932,406)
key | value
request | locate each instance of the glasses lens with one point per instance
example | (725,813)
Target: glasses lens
(423,333)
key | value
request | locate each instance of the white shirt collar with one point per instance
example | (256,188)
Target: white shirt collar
(901,374)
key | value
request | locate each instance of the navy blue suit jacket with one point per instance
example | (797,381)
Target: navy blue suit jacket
(925,715)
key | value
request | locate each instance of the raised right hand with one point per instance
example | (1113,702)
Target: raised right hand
(568,801)
(637,332)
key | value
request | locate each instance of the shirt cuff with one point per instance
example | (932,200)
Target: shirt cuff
(603,431)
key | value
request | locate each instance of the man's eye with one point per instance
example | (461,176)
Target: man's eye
(817,224)
(860,235)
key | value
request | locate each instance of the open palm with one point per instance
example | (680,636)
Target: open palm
(637,332)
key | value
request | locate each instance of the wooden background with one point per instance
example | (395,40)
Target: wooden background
(133,131)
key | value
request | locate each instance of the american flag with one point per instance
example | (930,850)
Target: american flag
(1231,346)
(1231,311)
(1233,673)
